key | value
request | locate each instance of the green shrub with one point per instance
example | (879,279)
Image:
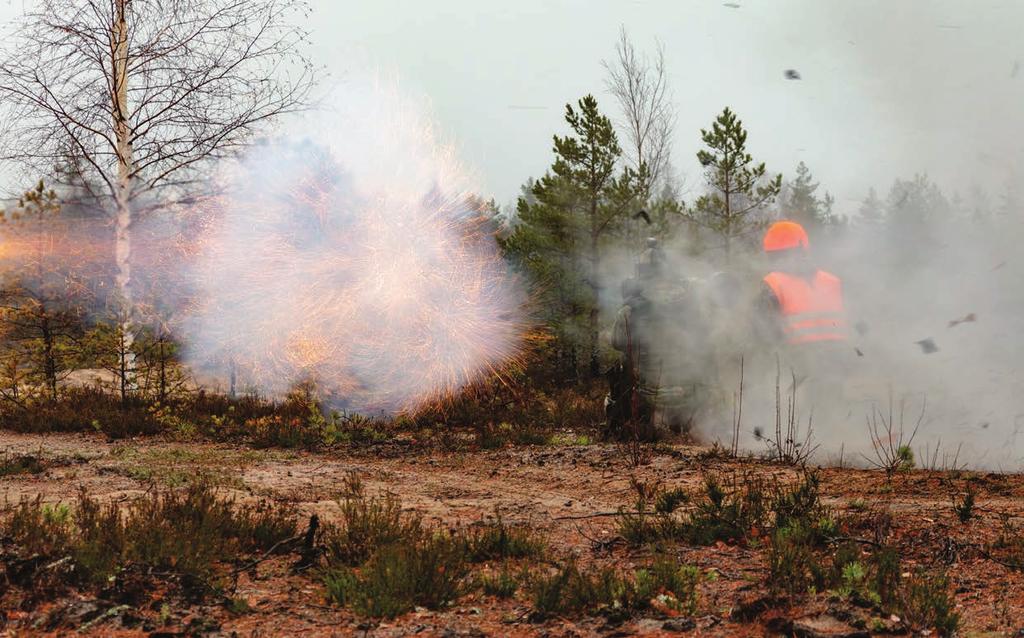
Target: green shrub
(186,532)
(498,540)
(640,525)
(905,458)
(886,575)
(427,573)
(793,569)
(667,577)
(40,528)
(1008,548)
(101,542)
(279,431)
(368,523)
(501,585)
(964,507)
(81,409)
(261,526)
(927,605)
(799,502)
(571,590)
(548,591)
(11,465)
(667,502)
(727,513)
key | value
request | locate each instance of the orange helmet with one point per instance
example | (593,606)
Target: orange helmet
(785,235)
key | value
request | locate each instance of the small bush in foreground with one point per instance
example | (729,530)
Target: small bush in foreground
(571,590)
(499,540)
(428,573)
(793,569)
(927,605)
(368,523)
(727,513)
(382,562)
(186,532)
(501,585)
(11,465)
(739,509)
(964,507)
(667,502)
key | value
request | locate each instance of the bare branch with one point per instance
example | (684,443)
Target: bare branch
(641,88)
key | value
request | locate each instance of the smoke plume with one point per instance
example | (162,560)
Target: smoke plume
(356,259)
(934,306)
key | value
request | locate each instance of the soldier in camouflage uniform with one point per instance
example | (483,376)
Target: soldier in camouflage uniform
(627,410)
(659,384)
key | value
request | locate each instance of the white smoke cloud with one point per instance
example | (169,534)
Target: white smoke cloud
(953,280)
(356,258)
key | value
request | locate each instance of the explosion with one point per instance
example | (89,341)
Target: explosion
(364,266)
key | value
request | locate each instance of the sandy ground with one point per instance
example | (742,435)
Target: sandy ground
(568,492)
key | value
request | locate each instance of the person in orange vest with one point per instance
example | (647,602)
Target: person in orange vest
(805,303)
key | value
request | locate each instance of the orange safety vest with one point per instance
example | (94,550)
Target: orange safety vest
(812,310)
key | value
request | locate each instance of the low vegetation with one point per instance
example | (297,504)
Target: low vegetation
(733,509)
(570,589)
(185,533)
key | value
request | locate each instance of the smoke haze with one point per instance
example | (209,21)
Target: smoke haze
(356,259)
(934,309)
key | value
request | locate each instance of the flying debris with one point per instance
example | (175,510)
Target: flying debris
(643,215)
(792,74)
(859,353)
(969,318)
(927,346)
(731,5)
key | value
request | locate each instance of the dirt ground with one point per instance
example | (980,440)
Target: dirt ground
(569,492)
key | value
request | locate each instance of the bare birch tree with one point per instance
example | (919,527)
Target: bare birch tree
(640,85)
(132,101)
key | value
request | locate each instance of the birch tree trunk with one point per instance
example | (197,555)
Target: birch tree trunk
(123,218)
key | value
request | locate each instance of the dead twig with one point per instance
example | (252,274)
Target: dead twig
(787,446)
(598,544)
(891,445)
(307,536)
(737,416)
(854,539)
(585,516)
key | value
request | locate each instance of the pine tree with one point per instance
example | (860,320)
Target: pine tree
(915,205)
(872,211)
(801,203)
(737,186)
(562,220)
(42,298)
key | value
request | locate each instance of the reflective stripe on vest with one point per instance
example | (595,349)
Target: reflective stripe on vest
(812,310)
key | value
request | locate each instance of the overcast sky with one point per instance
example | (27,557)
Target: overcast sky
(888,87)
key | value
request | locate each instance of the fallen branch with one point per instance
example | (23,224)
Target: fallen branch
(597,543)
(585,516)
(307,535)
(854,539)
